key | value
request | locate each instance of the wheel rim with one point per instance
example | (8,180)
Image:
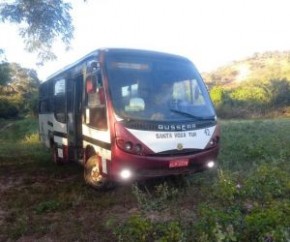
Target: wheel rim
(95,173)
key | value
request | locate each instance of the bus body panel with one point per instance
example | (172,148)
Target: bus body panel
(154,166)
(45,128)
(163,141)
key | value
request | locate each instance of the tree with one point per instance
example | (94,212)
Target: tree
(280,90)
(18,95)
(23,81)
(4,74)
(42,23)
(217,95)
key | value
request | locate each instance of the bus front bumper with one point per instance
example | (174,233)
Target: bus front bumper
(126,167)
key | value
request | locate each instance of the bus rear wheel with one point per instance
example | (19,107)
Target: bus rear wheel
(93,175)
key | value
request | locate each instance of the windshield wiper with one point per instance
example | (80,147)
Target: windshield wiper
(192,115)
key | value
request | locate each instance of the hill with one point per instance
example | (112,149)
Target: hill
(258,86)
(261,67)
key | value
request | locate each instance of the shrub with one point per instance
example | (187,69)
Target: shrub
(253,208)
(162,196)
(138,228)
(8,109)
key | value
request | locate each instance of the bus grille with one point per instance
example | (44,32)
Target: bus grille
(177,152)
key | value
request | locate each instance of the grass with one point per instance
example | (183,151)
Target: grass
(249,143)
(245,199)
(41,200)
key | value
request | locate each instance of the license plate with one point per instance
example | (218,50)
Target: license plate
(178,163)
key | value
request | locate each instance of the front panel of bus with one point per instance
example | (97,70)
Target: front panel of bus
(162,119)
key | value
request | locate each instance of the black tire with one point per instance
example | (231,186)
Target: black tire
(93,175)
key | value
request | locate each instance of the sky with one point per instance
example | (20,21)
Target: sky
(211,33)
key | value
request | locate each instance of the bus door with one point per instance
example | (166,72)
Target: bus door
(74,122)
(95,111)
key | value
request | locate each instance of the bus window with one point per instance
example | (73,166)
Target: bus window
(59,101)
(96,115)
(188,91)
(43,106)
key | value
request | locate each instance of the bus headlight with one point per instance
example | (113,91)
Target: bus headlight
(126,174)
(128,146)
(128,142)
(138,148)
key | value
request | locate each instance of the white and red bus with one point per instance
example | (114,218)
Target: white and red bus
(129,114)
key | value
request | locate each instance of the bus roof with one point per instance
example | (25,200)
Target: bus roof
(114,51)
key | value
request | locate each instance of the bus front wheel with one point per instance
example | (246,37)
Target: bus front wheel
(93,175)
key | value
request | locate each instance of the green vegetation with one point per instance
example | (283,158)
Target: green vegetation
(245,199)
(256,87)
(18,91)
(42,201)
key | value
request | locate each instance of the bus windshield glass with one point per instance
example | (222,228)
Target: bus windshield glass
(157,88)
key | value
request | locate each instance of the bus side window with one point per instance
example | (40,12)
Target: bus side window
(96,115)
(44,99)
(43,106)
(59,101)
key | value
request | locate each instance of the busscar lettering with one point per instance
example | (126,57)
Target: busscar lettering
(176,127)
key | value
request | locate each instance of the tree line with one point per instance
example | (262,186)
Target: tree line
(18,91)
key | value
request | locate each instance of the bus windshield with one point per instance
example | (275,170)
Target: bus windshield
(157,88)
